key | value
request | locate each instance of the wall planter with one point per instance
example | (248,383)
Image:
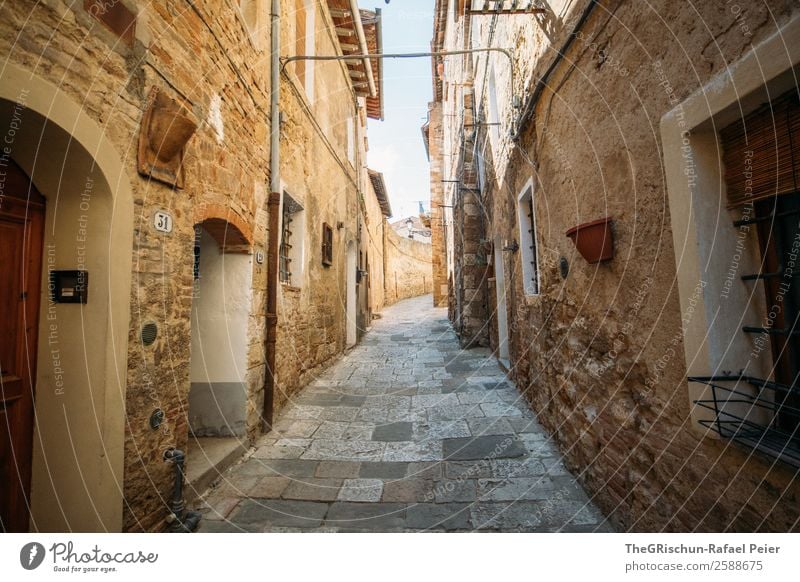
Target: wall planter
(594,240)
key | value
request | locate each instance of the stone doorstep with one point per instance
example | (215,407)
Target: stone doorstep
(206,460)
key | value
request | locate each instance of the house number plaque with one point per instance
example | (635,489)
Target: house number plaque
(162,222)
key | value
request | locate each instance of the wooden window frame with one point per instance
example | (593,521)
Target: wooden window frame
(529,255)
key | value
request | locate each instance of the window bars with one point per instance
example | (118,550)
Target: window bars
(757,413)
(765,414)
(534,253)
(285,266)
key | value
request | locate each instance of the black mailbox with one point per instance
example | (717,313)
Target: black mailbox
(69,286)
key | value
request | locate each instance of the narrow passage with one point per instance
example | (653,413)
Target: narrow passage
(407,432)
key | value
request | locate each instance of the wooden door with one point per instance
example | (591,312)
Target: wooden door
(21,231)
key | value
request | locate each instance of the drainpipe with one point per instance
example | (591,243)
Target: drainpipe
(379,39)
(355,13)
(385,261)
(274,205)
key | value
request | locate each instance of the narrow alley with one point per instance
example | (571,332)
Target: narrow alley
(406,432)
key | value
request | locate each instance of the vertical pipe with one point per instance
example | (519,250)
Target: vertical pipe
(385,258)
(274,215)
(362,43)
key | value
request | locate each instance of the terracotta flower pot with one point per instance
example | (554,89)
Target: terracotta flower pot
(594,240)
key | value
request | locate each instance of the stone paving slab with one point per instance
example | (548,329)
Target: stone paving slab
(406,432)
(361,490)
(483,448)
(384,470)
(372,516)
(396,431)
(435,516)
(271,512)
(313,489)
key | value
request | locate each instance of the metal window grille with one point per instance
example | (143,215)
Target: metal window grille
(754,412)
(286,245)
(765,414)
(196,268)
(534,253)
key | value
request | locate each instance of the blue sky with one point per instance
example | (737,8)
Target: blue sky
(395,145)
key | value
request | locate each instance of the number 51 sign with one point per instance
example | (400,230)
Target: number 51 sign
(162,222)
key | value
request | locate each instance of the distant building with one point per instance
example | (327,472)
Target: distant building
(414,227)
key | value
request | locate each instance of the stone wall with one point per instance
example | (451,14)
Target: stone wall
(599,353)
(201,55)
(214,61)
(408,267)
(373,247)
(316,172)
(438,214)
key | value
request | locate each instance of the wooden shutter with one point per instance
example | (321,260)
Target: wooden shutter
(761,152)
(327,245)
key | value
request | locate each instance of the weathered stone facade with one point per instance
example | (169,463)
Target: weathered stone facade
(378,209)
(408,267)
(432,132)
(211,60)
(598,348)
(224,164)
(312,307)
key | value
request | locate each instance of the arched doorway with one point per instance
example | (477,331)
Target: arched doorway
(221,305)
(351,264)
(80,362)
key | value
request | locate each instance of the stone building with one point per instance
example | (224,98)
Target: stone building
(606,195)
(408,267)
(396,267)
(439,227)
(137,219)
(378,210)
(415,227)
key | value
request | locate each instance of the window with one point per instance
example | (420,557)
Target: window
(327,244)
(527,236)
(762,175)
(250,12)
(291,247)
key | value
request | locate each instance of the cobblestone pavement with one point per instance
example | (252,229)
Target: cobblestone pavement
(406,432)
